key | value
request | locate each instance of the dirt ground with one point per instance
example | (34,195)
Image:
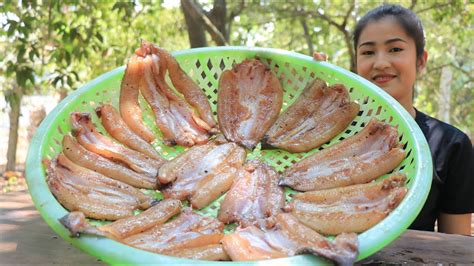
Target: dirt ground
(23,236)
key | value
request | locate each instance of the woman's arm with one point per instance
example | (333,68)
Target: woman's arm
(455,223)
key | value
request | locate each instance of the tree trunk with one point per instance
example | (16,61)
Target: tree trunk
(197,19)
(307,36)
(445,90)
(14,115)
(196,34)
(218,16)
(350,50)
(233,14)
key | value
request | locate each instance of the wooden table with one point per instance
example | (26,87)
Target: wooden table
(26,239)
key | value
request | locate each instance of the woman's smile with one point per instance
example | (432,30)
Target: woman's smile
(381,79)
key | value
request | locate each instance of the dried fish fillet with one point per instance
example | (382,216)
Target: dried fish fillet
(158,214)
(349,209)
(358,159)
(128,104)
(87,159)
(97,196)
(213,252)
(189,235)
(117,128)
(249,100)
(154,216)
(288,237)
(89,137)
(254,198)
(188,230)
(249,244)
(202,173)
(190,90)
(174,116)
(317,116)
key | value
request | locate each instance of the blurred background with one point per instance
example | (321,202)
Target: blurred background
(50,48)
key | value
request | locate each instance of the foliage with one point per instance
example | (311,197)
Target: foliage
(447,24)
(59,45)
(446,28)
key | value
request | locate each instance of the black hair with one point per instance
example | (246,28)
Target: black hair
(407,19)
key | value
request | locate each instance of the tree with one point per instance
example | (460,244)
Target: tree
(215,22)
(43,51)
(55,46)
(19,65)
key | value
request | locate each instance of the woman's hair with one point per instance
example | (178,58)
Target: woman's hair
(408,20)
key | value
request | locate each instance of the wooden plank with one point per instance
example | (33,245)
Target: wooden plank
(426,248)
(26,239)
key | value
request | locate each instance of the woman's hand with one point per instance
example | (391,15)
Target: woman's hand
(320,56)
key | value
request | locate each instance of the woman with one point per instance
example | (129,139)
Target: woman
(390,52)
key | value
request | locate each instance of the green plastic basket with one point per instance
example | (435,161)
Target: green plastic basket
(205,65)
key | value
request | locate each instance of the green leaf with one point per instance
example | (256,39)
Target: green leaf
(11,28)
(73,34)
(75,75)
(68,57)
(69,81)
(99,37)
(56,80)
(31,55)
(20,55)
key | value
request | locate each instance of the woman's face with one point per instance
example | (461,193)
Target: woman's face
(386,56)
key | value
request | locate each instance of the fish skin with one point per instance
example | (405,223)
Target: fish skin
(254,198)
(155,215)
(358,159)
(129,106)
(249,100)
(288,237)
(116,127)
(87,159)
(90,138)
(213,252)
(188,230)
(354,208)
(97,196)
(318,115)
(193,94)
(158,214)
(202,173)
(176,118)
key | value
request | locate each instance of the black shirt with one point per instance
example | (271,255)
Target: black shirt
(452,189)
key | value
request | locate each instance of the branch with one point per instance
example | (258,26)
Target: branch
(431,69)
(307,36)
(331,22)
(341,27)
(304,13)
(348,14)
(233,14)
(437,5)
(467,73)
(218,16)
(198,15)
